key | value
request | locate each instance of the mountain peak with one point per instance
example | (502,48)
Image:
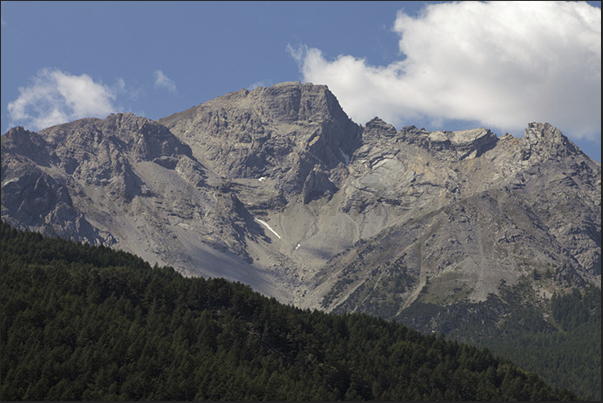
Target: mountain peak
(546,141)
(28,144)
(281,132)
(19,137)
(536,131)
(295,101)
(145,137)
(378,127)
(138,135)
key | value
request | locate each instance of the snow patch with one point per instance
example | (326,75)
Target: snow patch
(10,181)
(297,247)
(345,156)
(264,223)
(263,178)
(382,162)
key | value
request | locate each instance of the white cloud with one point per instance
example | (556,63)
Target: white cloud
(261,83)
(502,64)
(56,97)
(162,81)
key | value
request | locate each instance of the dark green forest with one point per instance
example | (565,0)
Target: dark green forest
(564,349)
(568,357)
(90,323)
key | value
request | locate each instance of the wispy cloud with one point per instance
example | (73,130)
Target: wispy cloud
(56,97)
(262,83)
(162,81)
(502,64)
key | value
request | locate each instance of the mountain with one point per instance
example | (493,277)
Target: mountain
(129,183)
(89,323)
(473,211)
(279,189)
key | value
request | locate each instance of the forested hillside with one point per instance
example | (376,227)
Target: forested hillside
(90,323)
(570,356)
(559,341)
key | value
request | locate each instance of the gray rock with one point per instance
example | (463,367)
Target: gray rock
(281,132)
(279,189)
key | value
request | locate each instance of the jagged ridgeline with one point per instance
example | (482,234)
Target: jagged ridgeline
(83,322)
(279,189)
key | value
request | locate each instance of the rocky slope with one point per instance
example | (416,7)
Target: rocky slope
(467,210)
(279,189)
(129,183)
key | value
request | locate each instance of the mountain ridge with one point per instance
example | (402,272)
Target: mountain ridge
(278,188)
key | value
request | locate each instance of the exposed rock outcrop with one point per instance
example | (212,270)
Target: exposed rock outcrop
(282,133)
(278,188)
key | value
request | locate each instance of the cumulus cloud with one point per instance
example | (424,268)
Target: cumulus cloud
(162,81)
(56,97)
(502,64)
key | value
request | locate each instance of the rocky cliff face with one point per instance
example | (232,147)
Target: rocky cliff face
(289,134)
(279,189)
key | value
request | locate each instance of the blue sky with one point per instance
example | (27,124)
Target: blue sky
(438,65)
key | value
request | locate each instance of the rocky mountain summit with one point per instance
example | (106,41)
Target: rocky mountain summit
(279,189)
(289,134)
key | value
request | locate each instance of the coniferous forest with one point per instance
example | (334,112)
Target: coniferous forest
(570,357)
(90,323)
(564,350)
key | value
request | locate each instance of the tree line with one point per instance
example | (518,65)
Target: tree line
(81,322)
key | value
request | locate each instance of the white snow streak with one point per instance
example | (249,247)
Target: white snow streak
(10,181)
(264,223)
(345,156)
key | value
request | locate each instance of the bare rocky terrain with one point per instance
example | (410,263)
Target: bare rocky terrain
(279,189)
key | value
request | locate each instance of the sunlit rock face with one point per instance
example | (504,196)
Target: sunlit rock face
(279,189)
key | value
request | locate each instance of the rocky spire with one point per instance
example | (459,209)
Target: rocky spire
(545,141)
